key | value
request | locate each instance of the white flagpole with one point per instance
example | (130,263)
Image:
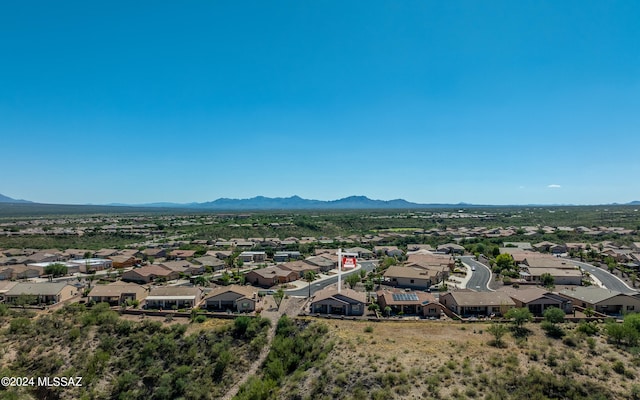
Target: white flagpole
(339,269)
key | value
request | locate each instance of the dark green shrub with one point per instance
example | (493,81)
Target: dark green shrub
(618,366)
(570,341)
(20,325)
(552,330)
(588,328)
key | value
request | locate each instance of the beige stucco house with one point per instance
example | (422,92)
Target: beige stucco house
(602,300)
(347,302)
(117,293)
(41,293)
(233,297)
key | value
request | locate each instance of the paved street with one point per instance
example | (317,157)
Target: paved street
(480,277)
(323,283)
(608,280)
(479,280)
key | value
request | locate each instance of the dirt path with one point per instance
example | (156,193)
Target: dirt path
(291,307)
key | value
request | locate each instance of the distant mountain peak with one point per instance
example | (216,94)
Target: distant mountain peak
(296,202)
(7,199)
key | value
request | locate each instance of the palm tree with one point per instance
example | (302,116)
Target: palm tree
(226,278)
(310,276)
(91,278)
(368,286)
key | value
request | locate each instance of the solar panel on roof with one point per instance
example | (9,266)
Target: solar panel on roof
(405,297)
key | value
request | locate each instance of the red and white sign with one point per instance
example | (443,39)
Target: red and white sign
(348,262)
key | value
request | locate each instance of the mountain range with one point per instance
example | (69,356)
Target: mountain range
(295,203)
(291,203)
(5,199)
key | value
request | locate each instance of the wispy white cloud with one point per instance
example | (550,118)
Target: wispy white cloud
(554,186)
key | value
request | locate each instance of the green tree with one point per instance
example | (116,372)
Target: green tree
(554,315)
(388,261)
(519,316)
(633,320)
(495,251)
(24,300)
(56,270)
(226,278)
(547,280)
(352,280)
(387,311)
(622,334)
(625,333)
(368,287)
(498,331)
(611,264)
(230,261)
(239,264)
(90,278)
(201,281)
(278,296)
(504,262)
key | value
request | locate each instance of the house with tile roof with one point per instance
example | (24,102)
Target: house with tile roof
(323,262)
(5,286)
(123,261)
(412,277)
(173,297)
(602,300)
(20,271)
(346,302)
(184,267)
(413,303)
(117,293)
(213,262)
(270,276)
(300,267)
(149,273)
(232,297)
(470,303)
(41,293)
(537,299)
(253,256)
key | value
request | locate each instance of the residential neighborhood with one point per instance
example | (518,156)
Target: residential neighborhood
(407,281)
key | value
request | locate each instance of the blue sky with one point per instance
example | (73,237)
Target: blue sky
(501,102)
